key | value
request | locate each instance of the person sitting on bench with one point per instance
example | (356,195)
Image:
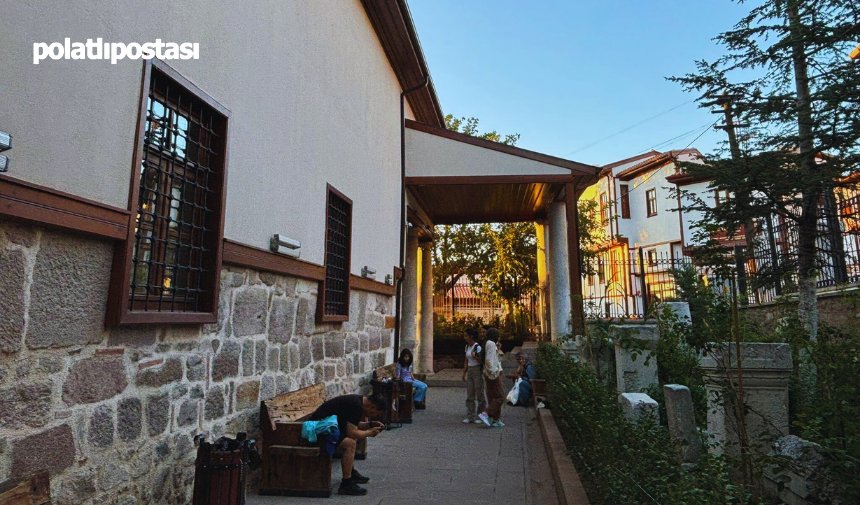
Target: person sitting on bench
(403,371)
(350,410)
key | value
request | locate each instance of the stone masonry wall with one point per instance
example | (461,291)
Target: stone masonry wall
(112,412)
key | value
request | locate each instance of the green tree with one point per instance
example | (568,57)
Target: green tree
(512,264)
(469,126)
(785,73)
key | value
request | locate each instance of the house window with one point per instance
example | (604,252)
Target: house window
(625,201)
(604,209)
(721,196)
(171,262)
(651,200)
(652,257)
(338,241)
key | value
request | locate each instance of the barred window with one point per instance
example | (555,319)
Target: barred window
(172,262)
(338,242)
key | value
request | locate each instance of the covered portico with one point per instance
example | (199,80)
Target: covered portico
(452,178)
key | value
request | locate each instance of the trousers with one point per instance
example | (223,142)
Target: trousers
(474,392)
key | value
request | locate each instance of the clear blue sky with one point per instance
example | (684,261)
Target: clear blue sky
(565,74)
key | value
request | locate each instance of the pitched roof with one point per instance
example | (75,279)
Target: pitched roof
(654,162)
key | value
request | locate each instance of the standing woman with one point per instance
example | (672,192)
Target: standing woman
(473,377)
(494,381)
(403,371)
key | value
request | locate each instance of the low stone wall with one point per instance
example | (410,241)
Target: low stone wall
(112,412)
(838,308)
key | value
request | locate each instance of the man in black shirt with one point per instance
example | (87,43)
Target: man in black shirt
(350,410)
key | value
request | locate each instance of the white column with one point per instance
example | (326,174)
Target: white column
(424,353)
(557,266)
(409,309)
(543,279)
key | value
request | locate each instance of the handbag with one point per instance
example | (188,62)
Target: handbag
(514,395)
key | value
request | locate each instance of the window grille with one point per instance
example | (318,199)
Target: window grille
(172,263)
(337,256)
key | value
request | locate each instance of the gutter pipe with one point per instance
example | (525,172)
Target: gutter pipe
(399,290)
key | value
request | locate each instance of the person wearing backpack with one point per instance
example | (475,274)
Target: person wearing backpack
(473,377)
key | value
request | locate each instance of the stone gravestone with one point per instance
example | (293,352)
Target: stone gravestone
(682,422)
(639,406)
(766,370)
(634,375)
(681,310)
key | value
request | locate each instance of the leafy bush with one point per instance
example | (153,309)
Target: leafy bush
(620,462)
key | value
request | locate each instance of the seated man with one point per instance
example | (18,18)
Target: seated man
(350,410)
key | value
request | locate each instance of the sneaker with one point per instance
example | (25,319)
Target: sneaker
(466,421)
(497,424)
(358,478)
(350,488)
(484,418)
(477,421)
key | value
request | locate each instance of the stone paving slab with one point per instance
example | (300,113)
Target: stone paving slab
(437,459)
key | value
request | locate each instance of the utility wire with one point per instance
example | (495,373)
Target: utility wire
(619,132)
(655,146)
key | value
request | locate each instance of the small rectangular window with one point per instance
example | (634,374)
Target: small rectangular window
(334,296)
(625,201)
(651,200)
(721,196)
(604,209)
(169,269)
(652,257)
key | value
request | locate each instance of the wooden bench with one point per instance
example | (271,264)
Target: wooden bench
(292,466)
(401,410)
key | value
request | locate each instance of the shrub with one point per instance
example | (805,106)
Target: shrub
(620,462)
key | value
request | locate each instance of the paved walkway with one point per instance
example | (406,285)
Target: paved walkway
(438,459)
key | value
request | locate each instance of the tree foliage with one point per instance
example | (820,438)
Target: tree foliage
(786,74)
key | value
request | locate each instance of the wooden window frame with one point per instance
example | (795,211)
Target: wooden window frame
(625,201)
(119,311)
(322,317)
(604,209)
(717,200)
(649,200)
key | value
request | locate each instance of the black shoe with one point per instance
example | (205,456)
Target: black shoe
(348,487)
(358,478)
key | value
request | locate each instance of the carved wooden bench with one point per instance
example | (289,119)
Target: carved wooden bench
(401,410)
(292,466)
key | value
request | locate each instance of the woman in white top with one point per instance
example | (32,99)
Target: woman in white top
(473,377)
(494,381)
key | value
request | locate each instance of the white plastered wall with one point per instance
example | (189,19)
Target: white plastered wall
(312,95)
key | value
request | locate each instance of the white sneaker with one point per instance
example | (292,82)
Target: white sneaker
(497,424)
(466,421)
(484,418)
(477,421)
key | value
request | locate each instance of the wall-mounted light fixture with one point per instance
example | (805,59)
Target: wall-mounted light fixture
(286,246)
(5,145)
(388,279)
(368,272)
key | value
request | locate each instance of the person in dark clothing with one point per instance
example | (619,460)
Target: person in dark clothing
(350,410)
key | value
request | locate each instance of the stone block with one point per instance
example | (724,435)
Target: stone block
(305,317)
(364,342)
(248,358)
(100,433)
(187,415)
(318,348)
(132,336)
(157,414)
(766,372)
(214,407)
(374,341)
(304,352)
(50,364)
(25,405)
(69,291)
(334,345)
(682,422)
(330,372)
(95,379)
(195,368)
(247,395)
(260,357)
(113,475)
(77,487)
(636,367)
(226,363)
(21,234)
(267,388)
(341,368)
(285,363)
(129,412)
(294,356)
(250,308)
(282,385)
(274,358)
(639,407)
(232,279)
(157,376)
(52,450)
(282,319)
(12,279)
(351,344)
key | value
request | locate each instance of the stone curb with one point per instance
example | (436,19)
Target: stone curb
(567,484)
